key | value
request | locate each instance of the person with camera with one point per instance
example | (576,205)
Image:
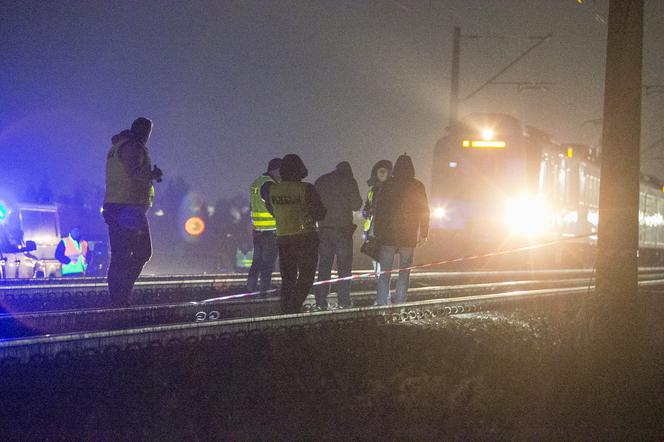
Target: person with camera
(129,194)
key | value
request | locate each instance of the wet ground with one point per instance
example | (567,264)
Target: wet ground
(509,375)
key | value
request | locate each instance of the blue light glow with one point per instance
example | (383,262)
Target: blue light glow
(3,212)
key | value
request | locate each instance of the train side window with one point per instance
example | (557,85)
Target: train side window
(542,177)
(660,227)
(651,219)
(562,185)
(642,217)
(582,185)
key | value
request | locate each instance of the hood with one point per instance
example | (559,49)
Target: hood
(292,168)
(122,136)
(142,128)
(382,164)
(403,168)
(344,169)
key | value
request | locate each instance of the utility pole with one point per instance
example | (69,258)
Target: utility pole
(617,260)
(454,89)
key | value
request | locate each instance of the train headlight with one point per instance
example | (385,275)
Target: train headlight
(487,134)
(527,215)
(439,213)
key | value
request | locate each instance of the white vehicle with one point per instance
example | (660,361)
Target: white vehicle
(29,235)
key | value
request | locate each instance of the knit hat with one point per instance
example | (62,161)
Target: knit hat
(292,168)
(274,164)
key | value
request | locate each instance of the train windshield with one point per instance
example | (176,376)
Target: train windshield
(480,159)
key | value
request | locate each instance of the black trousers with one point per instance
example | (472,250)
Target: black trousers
(131,248)
(298,259)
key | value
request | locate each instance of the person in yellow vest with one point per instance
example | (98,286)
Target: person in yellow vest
(297,207)
(264,229)
(129,194)
(72,253)
(380,173)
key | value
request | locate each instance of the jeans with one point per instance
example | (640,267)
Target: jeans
(131,248)
(298,258)
(265,257)
(387,254)
(335,242)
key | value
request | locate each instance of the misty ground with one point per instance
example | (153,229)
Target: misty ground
(523,374)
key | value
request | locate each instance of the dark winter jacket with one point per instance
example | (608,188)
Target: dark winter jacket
(340,195)
(402,209)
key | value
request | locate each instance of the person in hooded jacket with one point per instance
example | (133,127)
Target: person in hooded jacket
(129,194)
(296,207)
(380,172)
(341,197)
(401,223)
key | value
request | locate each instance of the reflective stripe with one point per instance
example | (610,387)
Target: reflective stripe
(243,260)
(272,223)
(263,219)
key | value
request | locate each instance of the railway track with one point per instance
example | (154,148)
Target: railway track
(102,330)
(19,296)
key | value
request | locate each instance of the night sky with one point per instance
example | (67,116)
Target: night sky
(230,85)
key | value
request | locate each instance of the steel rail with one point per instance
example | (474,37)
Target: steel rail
(93,294)
(65,346)
(211,279)
(16,324)
(95,319)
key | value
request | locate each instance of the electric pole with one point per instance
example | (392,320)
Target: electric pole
(618,241)
(454,89)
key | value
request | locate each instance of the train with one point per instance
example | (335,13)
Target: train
(498,183)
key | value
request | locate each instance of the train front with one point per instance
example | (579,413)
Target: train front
(485,187)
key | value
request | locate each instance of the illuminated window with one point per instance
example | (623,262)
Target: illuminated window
(479,144)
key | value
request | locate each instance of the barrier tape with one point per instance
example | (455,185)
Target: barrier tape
(420,266)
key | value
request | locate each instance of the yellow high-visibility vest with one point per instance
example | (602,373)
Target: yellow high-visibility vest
(367,222)
(261,219)
(75,251)
(288,205)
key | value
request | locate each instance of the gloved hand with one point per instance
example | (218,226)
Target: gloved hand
(157,174)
